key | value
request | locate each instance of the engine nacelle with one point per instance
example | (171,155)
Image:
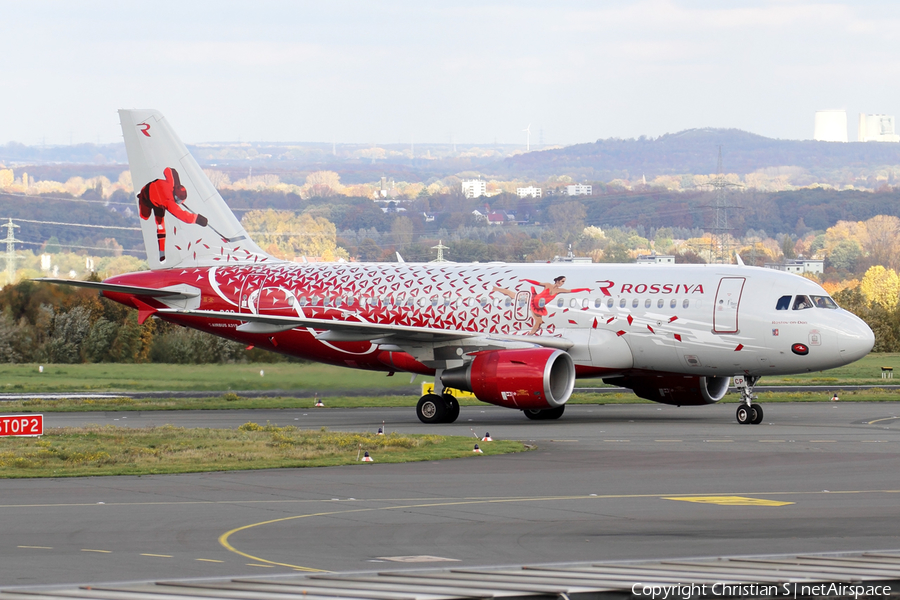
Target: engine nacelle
(679,390)
(530,378)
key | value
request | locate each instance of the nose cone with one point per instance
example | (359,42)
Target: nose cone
(856,339)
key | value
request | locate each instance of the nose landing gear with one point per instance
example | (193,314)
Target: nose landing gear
(748,412)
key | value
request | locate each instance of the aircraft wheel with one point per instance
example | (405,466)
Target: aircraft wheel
(452,408)
(431,409)
(744,414)
(546,414)
(757,411)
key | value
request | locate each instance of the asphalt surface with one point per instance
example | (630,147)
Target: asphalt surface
(603,484)
(397,391)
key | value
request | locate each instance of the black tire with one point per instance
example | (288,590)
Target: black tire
(546,414)
(757,411)
(744,414)
(452,408)
(431,408)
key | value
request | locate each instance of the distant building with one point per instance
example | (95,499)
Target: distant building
(831,126)
(579,190)
(877,128)
(496,217)
(534,192)
(570,258)
(474,188)
(799,265)
(655,259)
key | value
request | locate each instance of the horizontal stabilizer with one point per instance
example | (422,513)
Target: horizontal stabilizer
(123,289)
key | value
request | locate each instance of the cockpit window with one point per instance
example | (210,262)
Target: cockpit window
(802,303)
(824,302)
(784,303)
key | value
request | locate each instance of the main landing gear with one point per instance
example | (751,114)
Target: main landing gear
(748,412)
(437,409)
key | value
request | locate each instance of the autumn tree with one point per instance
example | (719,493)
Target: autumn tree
(881,286)
(286,235)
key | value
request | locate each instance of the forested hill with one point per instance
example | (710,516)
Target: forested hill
(694,152)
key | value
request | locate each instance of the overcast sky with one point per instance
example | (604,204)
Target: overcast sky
(386,72)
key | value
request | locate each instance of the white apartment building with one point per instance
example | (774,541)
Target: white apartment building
(799,265)
(474,188)
(530,191)
(579,190)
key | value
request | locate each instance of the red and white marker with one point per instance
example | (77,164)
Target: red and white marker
(318,401)
(477,450)
(487,437)
(367,458)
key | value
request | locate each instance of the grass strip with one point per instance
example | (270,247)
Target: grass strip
(324,379)
(231,401)
(109,450)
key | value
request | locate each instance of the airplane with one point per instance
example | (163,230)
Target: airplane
(515,335)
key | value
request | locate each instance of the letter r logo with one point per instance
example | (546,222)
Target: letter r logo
(605,286)
(145,128)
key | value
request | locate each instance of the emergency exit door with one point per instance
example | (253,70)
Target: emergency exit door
(728,301)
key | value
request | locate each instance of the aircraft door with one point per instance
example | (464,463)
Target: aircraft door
(728,301)
(523,299)
(251,290)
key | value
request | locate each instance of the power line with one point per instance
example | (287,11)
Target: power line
(86,201)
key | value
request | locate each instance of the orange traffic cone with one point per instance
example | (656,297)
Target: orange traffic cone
(367,458)
(487,437)
(477,450)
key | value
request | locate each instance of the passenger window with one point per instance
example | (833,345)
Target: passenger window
(434,301)
(542,302)
(483,302)
(783,303)
(647,303)
(599,302)
(622,303)
(609,303)
(303,301)
(634,303)
(824,302)
(673,303)
(585,303)
(560,303)
(660,303)
(508,302)
(573,303)
(802,303)
(686,303)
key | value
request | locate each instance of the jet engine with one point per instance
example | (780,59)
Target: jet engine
(679,390)
(529,378)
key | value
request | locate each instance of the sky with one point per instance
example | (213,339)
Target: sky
(428,72)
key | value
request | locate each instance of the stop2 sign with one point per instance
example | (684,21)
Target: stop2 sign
(21,425)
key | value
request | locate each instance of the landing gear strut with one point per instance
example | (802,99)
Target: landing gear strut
(748,412)
(432,408)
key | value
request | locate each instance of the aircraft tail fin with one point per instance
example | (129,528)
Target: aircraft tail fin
(184,220)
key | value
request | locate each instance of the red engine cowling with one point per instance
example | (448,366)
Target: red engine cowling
(530,378)
(679,390)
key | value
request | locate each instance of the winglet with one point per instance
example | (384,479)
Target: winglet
(738,258)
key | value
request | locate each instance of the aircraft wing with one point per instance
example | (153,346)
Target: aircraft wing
(348,331)
(125,289)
